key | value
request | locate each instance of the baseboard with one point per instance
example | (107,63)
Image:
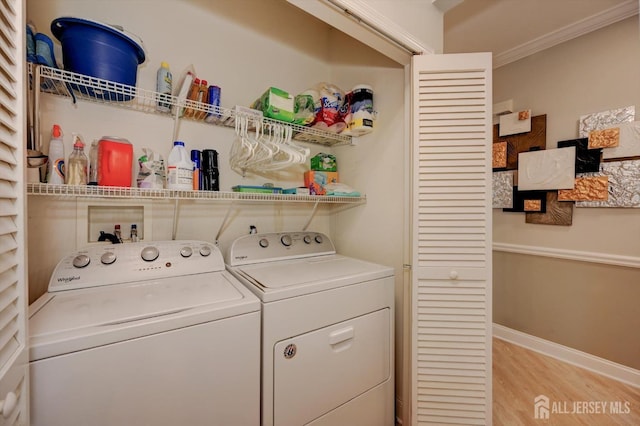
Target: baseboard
(578,358)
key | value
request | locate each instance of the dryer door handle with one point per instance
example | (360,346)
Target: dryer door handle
(341,335)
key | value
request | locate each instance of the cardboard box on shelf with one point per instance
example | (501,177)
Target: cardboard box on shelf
(316,181)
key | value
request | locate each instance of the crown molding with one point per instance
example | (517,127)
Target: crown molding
(602,19)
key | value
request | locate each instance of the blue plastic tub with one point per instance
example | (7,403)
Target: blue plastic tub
(99,50)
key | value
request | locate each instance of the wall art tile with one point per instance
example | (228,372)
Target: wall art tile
(514,123)
(557,213)
(605,138)
(629,142)
(587,160)
(605,119)
(532,205)
(522,197)
(592,188)
(503,190)
(500,155)
(535,139)
(547,169)
(624,184)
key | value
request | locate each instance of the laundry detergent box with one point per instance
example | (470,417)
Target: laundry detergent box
(276,103)
(324,162)
(316,181)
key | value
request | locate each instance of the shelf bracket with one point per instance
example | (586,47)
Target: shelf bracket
(176,206)
(222,225)
(313,213)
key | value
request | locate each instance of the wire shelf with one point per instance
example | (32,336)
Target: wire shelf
(170,194)
(81,87)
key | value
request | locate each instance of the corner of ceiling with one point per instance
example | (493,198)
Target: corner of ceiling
(610,16)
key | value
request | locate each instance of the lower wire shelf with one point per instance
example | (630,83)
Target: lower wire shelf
(171,194)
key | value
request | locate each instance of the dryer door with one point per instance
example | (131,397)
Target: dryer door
(317,372)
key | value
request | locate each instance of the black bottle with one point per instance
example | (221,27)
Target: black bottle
(209,170)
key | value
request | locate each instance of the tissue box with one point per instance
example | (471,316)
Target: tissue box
(316,181)
(324,163)
(277,104)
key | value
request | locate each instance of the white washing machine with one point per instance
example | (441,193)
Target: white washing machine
(145,334)
(327,330)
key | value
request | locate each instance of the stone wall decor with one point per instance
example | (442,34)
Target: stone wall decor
(514,123)
(522,198)
(500,156)
(605,138)
(547,169)
(624,184)
(557,213)
(629,145)
(605,119)
(535,139)
(503,190)
(587,160)
(592,188)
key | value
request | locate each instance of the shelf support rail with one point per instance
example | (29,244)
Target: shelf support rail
(222,225)
(313,213)
(176,205)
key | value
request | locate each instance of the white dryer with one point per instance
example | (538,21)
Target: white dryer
(327,330)
(145,334)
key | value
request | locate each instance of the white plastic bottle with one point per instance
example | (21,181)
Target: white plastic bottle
(78,163)
(55,169)
(179,168)
(164,81)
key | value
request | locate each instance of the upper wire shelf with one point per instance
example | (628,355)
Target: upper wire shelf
(77,86)
(172,194)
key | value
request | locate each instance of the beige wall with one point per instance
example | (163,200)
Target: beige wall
(586,306)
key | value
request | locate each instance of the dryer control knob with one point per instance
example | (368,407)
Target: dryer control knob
(205,250)
(286,240)
(108,257)
(81,260)
(186,251)
(318,239)
(307,239)
(150,253)
(264,243)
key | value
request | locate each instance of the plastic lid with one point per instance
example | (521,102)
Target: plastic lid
(78,144)
(178,143)
(196,81)
(56,132)
(204,83)
(164,64)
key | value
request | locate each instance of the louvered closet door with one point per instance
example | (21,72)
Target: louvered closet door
(451,234)
(13,350)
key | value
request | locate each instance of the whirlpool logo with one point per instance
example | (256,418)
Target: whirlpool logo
(67,280)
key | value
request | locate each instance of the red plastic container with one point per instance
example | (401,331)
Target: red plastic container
(115,161)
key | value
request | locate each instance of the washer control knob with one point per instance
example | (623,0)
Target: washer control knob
(307,239)
(81,260)
(264,243)
(205,250)
(286,240)
(186,251)
(108,257)
(318,239)
(150,253)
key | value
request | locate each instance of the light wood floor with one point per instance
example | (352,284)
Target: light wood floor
(520,375)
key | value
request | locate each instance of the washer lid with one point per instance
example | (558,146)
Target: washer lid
(78,319)
(313,270)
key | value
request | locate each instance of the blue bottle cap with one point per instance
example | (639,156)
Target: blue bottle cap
(178,143)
